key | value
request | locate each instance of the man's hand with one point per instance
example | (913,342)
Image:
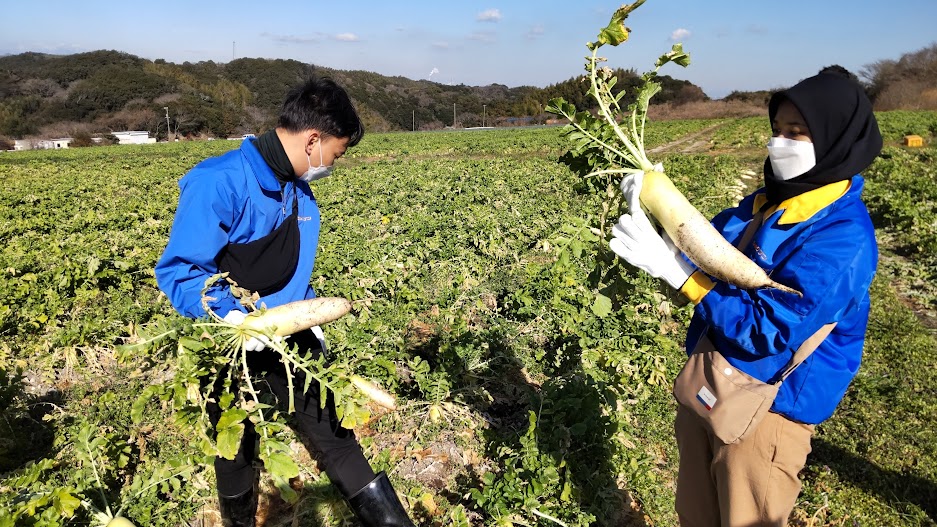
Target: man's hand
(236,317)
(638,243)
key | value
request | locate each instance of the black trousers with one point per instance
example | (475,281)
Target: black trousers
(337,448)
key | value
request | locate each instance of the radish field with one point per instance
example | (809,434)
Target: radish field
(531,388)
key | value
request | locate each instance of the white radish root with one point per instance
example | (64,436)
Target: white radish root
(374,392)
(698,239)
(298,316)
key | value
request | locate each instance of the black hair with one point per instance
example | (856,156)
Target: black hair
(320,103)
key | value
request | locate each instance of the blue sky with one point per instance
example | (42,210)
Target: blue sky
(734,44)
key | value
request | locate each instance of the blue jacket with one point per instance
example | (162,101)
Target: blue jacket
(821,243)
(234,198)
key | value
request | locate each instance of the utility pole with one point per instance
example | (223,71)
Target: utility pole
(414,121)
(233,54)
(484,114)
(453,115)
(167,123)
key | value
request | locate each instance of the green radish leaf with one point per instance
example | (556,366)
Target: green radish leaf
(225,400)
(281,465)
(602,306)
(348,414)
(191,344)
(323,395)
(362,414)
(66,503)
(139,404)
(286,491)
(616,32)
(230,417)
(229,440)
(675,55)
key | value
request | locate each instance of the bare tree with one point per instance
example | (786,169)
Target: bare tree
(902,83)
(46,88)
(64,129)
(127,119)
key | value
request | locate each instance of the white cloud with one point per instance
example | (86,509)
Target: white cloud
(347,37)
(293,39)
(489,15)
(535,32)
(680,34)
(757,29)
(441,45)
(487,37)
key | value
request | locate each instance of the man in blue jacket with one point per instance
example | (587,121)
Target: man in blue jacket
(250,212)
(816,236)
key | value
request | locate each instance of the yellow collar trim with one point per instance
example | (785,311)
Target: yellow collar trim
(803,206)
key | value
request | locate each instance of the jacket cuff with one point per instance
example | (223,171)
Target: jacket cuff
(697,286)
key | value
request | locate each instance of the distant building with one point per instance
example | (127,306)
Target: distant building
(134,137)
(22,144)
(52,144)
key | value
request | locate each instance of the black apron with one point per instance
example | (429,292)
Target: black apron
(266,264)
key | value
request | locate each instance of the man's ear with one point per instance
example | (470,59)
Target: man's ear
(311,137)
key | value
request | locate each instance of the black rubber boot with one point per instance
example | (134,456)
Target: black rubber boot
(377,505)
(238,511)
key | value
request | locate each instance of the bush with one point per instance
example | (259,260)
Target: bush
(81,139)
(707,110)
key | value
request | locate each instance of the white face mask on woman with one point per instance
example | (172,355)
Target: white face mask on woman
(318,172)
(790,158)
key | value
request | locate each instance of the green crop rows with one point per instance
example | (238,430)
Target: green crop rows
(530,387)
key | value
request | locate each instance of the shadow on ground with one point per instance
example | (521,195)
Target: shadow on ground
(24,435)
(896,488)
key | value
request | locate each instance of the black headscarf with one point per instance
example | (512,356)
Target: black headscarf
(842,126)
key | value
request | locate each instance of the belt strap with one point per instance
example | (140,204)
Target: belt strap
(805,350)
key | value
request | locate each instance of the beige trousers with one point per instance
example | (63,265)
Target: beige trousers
(750,483)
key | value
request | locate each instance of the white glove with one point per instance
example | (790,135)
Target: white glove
(317,331)
(236,317)
(631,190)
(639,244)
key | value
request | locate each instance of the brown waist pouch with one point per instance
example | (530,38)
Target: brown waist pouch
(730,402)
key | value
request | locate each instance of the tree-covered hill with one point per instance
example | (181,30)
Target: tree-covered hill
(105,91)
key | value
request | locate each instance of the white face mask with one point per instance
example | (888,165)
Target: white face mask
(790,158)
(318,172)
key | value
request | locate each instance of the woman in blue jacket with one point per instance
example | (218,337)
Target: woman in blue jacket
(250,212)
(816,236)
